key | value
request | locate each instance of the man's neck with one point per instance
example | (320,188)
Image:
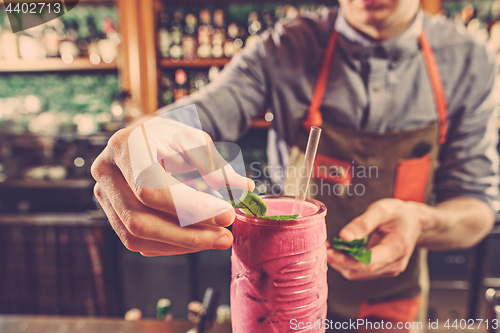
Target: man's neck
(388,29)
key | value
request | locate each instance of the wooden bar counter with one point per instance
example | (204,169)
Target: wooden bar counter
(49,324)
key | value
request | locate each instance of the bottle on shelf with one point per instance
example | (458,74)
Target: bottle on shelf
(236,37)
(189,40)
(68,48)
(267,20)
(194,311)
(181,87)
(108,45)
(254,28)
(219,33)
(94,38)
(223,313)
(200,80)
(167,88)
(164,309)
(51,39)
(176,50)
(205,34)
(164,40)
(213,73)
(31,46)
(83,36)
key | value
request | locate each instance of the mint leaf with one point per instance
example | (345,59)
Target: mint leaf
(356,249)
(281,217)
(248,201)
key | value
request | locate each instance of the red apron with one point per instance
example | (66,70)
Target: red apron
(405,162)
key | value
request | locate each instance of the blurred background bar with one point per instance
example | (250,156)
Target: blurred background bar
(66,86)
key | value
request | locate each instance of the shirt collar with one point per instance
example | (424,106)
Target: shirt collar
(357,46)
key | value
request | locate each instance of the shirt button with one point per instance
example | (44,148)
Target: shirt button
(377,87)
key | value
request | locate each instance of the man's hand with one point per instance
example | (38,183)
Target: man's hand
(395,227)
(138,195)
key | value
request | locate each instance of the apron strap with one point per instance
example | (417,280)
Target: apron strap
(437,86)
(314,117)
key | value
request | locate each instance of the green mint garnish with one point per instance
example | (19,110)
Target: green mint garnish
(250,203)
(356,249)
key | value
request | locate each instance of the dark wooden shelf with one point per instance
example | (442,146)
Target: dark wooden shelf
(196,63)
(67,183)
(53,64)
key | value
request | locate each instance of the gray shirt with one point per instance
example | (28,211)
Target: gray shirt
(380,87)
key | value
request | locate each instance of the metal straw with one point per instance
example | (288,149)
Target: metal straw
(305,177)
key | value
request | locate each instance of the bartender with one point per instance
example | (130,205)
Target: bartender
(391,89)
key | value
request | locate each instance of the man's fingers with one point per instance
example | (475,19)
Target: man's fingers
(389,258)
(377,214)
(144,222)
(189,205)
(131,242)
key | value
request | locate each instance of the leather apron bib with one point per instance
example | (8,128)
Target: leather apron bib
(355,168)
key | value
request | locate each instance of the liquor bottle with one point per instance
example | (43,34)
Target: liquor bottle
(267,20)
(279,13)
(189,40)
(191,80)
(83,32)
(93,50)
(234,41)
(194,311)
(291,13)
(205,34)
(164,40)
(213,73)
(223,313)
(219,19)
(68,48)
(181,87)
(164,309)
(218,38)
(219,34)
(51,41)
(167,87)
(200,80)
(31,47)
(176,50)
(254,28)
(254,24)
(108,46)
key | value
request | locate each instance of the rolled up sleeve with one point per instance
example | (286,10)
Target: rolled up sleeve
(469,162)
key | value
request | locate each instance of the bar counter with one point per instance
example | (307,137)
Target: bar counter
(59,324)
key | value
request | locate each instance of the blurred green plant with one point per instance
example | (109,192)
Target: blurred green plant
(73,94)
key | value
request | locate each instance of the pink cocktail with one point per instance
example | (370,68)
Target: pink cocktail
(279,269)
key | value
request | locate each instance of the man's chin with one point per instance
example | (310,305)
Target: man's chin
(372,17)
